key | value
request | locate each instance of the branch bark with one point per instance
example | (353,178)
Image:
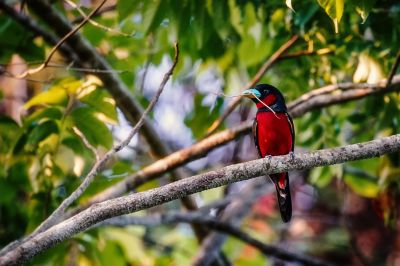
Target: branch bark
(233,173)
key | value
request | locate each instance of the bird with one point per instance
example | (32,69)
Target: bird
(274,134)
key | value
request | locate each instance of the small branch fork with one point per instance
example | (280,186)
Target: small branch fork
(99,164)
(226,175)
(94,23)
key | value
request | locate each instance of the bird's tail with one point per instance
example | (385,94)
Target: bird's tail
(281,182)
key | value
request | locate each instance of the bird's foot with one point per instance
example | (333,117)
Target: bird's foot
(268,157)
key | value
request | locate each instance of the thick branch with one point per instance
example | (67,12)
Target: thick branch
(233,173)
(325,96)
(213,223)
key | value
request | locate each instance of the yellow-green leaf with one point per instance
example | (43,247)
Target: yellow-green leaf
(55,96)
(334,9)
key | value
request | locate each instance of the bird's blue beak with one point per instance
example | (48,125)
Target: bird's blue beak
(251,93)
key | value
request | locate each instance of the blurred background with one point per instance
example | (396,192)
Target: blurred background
(345,214)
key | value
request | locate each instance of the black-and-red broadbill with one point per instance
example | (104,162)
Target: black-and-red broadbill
(273,135)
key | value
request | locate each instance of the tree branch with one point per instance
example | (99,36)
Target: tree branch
(322,97)
(226,175)
(211,222)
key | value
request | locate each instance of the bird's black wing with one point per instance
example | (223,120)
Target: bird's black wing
(255,136)
(290,120)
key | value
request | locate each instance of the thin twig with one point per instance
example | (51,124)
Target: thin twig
(95,23)
(322,51)
(393,71)
(60,42)
(86,142)
(260,73)
(211,222)
(108,8)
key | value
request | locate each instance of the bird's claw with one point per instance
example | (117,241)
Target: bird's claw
(268,157)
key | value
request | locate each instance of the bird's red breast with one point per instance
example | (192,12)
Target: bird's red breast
(274,135)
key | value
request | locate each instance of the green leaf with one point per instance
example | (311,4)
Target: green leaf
(16,39)
(126,8)
(154,15)
(258,54)
(7,191)
(361,185)
(39,133)
(357,118)
(334,9)
(9,133)
(103,103)
(95,131)
(198,120)
(49,113)
(363,7)
(74,144)
(55,96)
(321,176)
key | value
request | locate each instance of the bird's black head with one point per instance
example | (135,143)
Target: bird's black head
(268,95)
